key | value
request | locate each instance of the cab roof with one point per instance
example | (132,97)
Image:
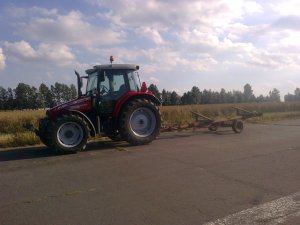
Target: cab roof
(113,67)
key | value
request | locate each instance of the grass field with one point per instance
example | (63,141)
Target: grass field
(12,133)
(272,111)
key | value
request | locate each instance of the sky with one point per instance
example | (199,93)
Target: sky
(211,44)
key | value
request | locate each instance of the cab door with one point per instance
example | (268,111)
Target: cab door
(112,86)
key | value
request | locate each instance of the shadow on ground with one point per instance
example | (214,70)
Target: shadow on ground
(43,151)
(189,133)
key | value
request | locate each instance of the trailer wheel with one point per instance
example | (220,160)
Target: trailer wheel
(140,122)
(238,126)
(70,134)
(213,127)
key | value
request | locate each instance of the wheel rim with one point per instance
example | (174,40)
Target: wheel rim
(70,134)
(142,122)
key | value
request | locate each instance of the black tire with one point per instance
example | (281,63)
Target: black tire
(238,126)
(44,132)
(140,122)
(46,137)
(70,134)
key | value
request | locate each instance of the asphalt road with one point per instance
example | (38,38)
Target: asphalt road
(181,178)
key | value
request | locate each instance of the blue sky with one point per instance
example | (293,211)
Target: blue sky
(211,44)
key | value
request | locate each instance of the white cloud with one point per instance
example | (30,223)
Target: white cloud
(179,14)
(57,54)
(167,59)
(210,42)
(253,7)
(71,29)
(21,50)
(154,80)
(151,34)
(163,58)
(175,13)
(273,60)
(286,8)
(2,59)
(195,26)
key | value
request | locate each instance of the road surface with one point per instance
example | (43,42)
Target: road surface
(181,178)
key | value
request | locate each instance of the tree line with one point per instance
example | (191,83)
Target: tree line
(25,96)
(293,97)
(196,96)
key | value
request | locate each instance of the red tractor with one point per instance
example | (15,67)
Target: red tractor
(114,104)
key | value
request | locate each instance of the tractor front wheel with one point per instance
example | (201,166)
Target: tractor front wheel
(140,122)
(44,131)
(70,134)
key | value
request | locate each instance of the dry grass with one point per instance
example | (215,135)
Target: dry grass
(182,114)
(271,117)
(12,121)
(19,139)
(12,133)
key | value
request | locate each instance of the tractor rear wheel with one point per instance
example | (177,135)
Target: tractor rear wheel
(140,122)
(70,134)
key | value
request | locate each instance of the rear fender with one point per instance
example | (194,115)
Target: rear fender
(131,96)
(87,120)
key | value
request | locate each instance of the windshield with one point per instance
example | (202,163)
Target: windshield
(91,83)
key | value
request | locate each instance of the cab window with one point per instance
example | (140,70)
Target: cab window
(133,81)
(113,84)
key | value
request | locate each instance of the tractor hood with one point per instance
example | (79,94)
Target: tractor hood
(82,104)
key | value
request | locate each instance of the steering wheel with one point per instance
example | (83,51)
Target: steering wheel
(103,89)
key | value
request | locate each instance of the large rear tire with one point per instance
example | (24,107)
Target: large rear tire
(70,134)
(140,122)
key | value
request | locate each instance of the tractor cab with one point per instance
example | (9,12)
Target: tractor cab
(106,84)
